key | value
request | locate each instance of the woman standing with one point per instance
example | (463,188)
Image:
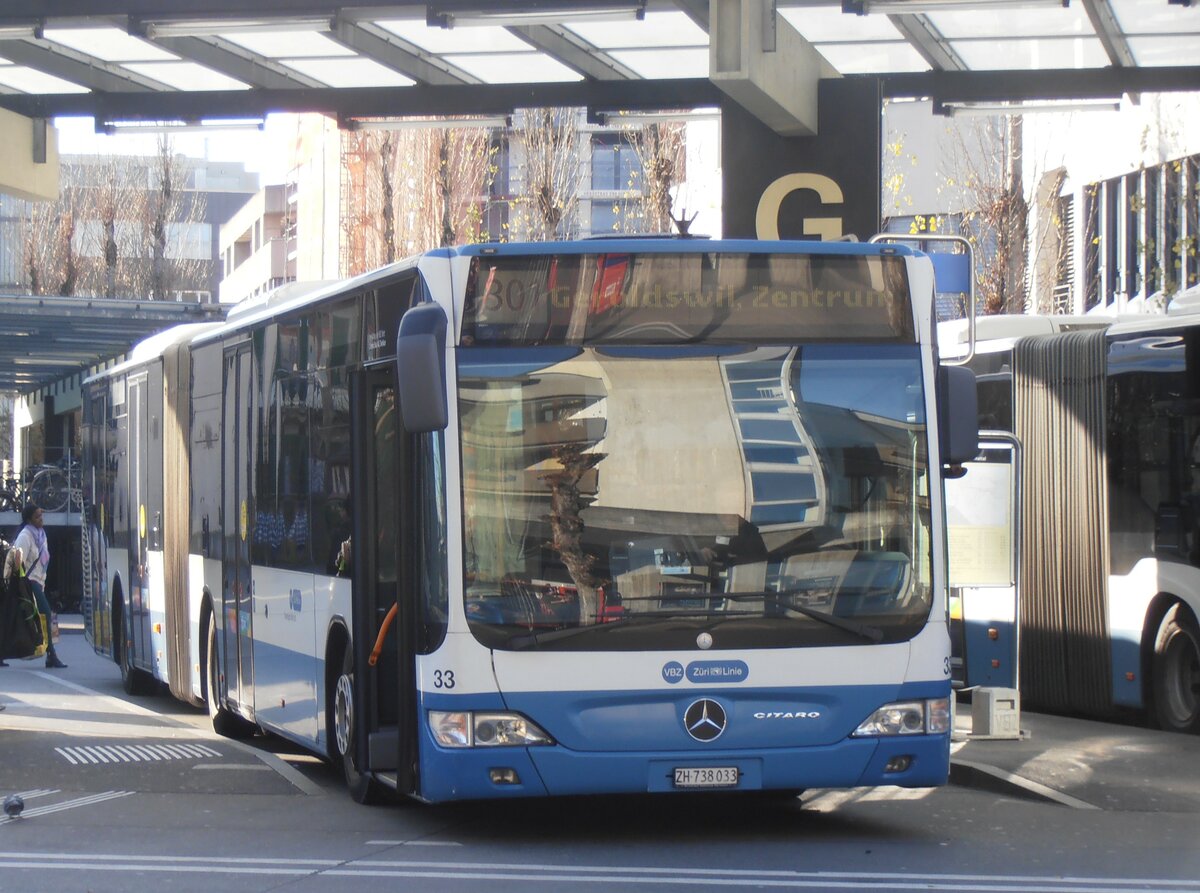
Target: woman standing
(35,558)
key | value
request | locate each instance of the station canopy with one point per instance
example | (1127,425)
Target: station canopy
(47,339)
(128,62)
(164,64)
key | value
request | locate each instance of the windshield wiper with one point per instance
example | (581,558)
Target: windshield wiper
(521,641)
(785,600)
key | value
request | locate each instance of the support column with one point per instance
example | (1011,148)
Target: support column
(815,187)
(28,157)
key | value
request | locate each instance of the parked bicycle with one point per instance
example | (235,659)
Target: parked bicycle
(50,488)
(12,499)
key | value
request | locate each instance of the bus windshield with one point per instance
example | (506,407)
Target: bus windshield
(635,497)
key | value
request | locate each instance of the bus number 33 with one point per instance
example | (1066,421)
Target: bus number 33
(443,679)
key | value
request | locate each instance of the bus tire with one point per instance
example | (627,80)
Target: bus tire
(133,680)
(363,788)
(224,721)
(1177,672)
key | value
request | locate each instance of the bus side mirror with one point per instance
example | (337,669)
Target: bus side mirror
(958,414)
(421,369)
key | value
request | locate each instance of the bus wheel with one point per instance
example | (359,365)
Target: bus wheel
(224,721)
(133,680)
(1177,672)
(363,788)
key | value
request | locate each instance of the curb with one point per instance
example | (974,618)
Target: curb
(983,777)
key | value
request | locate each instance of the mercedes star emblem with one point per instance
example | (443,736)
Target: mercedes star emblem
(704,720)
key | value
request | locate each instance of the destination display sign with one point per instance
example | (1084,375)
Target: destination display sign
(681,298)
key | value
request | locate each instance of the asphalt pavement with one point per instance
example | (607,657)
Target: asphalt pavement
(1075,763)
(1081,763)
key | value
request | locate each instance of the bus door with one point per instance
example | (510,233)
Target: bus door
(982,512)
(386,698)
(236,611)
(139,487)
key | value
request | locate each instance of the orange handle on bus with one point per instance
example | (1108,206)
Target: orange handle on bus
(383,631)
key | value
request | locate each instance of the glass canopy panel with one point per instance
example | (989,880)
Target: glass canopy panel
(1162,50)
(1032,53)
(109,44)
(349,72)
(663,64)
(1021,22)
(861,58)
(186,76)
(27,80)
(829,24)
(1153,17)
(288,44)
(659,29)
(467,39)
(514,68)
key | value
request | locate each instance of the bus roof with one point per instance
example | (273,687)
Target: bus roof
(679,245)
(1186,301)
(155,346)
(1001,330)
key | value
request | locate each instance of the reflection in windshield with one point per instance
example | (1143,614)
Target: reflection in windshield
(742,491)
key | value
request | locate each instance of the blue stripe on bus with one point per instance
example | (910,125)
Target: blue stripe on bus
(628,742)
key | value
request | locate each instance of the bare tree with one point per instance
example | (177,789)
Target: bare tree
(567,501)
(549,174)
(661,152)
(989,168)
(51,264)
(160,207)
(119,227)
(410,190)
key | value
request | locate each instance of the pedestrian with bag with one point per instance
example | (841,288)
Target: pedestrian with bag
(21,631)
(32,560)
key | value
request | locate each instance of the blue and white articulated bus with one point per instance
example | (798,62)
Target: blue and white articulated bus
(540,519)
(1107,412)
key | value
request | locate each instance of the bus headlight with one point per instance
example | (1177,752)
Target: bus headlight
(485,730)
(929,717)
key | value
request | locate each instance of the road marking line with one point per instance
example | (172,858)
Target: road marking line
(296,778)
(89,800)
(711,877)
(412,843)
(247,767)
(182,869)
(129,857)
(131,753)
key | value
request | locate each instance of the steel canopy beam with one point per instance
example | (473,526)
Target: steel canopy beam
(78,68)
(234,61)
(1042,84)
(929,42)
(397,54)
(209,9)
(574,52)
(696,10)
(451,100)
(1104,21)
